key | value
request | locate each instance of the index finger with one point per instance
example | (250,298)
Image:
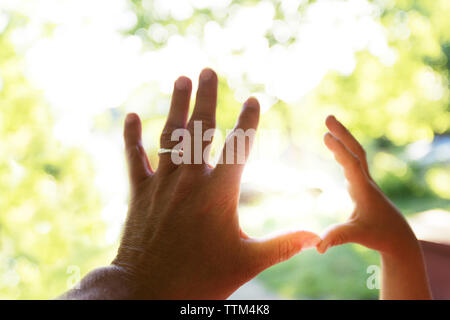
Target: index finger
(203,118)
(239,142)
(353,170)
(342,133)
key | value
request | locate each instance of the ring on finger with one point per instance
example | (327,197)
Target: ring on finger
(165,150)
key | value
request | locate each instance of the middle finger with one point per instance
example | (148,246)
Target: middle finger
(203,119)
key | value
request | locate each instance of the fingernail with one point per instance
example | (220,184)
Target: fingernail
(182,83)
(310,242)
(314,242)
(206,75)
(131,118)
(328,136)
(251,103)
(322,248)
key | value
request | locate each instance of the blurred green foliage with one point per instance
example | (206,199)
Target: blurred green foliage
(50,210)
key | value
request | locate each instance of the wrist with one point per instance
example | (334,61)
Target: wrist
(139,286)
(402,243)
(103,283)
(404,274)
(402,252)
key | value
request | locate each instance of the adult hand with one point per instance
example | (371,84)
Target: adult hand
(182,237)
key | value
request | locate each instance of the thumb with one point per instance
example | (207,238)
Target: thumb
(281,247)
(336,235)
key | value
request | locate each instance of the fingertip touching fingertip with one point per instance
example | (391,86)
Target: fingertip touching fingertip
(312,242)
(306,239)
(319,250)
(323,247)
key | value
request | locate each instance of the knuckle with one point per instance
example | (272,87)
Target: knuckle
(285,250)
(187,181)
(169,127)
(132,152)
(182,190)
(206,119)
(166,139)
(361,152)
(249,116)
(338,239)
(355,163)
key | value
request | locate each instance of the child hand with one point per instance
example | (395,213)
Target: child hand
(375,222)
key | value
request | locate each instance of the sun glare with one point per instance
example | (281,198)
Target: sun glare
(86,65)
